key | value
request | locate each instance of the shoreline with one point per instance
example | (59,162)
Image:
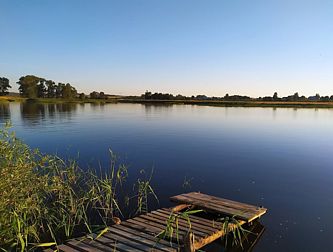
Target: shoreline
(264,104)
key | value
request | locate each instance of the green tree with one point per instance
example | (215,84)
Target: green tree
(41,89)
(317,97)
(102,95)
(73,92)
(50,88)
(94,95)
(67,91)
(275,96)
(28,86)
(4,85)
(59,89)
(82,96)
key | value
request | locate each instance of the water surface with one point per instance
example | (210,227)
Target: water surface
(280,158)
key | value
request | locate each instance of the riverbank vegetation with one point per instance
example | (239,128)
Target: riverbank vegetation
(34,88)
(45,200)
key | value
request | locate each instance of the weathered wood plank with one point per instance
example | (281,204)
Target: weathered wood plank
(116,244)
(150,238)
(181,227)
(139,239)
(128,242)
(161,226)
(225,204)
(65,248)
(99,245)
(201,225)
(198,244)
(150,230)
(79,245)
(241,214)
(143,227)
(208,222)
(151,226)
(183,223)
(258,211)
(180,207)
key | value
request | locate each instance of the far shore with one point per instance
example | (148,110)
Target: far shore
(216,103)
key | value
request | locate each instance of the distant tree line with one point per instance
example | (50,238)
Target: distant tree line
(291,98)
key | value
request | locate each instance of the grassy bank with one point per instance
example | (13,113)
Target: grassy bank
(5,99)
(276,104)
(45,200)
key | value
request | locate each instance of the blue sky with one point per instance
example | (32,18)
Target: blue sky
(207,47)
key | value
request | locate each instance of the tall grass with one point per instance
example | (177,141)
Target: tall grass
(171,229)
(233,230)
(45,200)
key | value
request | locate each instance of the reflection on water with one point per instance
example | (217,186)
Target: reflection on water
(33,113)
(280,158)
(4,111)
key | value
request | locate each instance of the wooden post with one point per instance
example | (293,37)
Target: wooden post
(189,242)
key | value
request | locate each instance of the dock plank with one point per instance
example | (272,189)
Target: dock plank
(139,239)
(65,248)
(129,242)
(186,228)
(198,224)
(152,240)
(79,245)
(116,244)
(99,245)
(183,223)
(219,205)
(148,230)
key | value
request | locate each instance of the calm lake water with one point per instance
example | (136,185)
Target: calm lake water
(278,158)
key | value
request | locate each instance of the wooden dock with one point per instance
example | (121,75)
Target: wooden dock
(144,232)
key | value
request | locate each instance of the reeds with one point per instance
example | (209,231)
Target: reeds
(171,230)
(45,200)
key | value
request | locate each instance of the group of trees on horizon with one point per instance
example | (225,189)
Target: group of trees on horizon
(31,86)
(295,97)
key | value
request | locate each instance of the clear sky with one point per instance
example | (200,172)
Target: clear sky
(207,47)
